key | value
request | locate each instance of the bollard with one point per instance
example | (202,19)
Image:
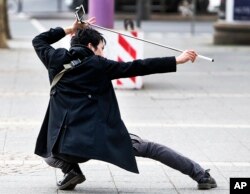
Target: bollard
(103,11)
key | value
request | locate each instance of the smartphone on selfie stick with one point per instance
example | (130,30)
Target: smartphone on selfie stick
(80,14)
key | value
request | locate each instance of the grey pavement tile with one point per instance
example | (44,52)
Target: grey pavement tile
(2,138)
(154,184)
(135,101)
(19,60)
(208,135)
(28,29)
(167,135)
(240,174)
(28,190)
(6,86)
(148,191)
(226,152)
(20,43)
(133,178)
(90,190)
(31,108)
(21,168)
(140,115)
(25,83)
(28,61)
(27,184)
(21,141)
(6,105)
(185,81)
(148,182)
(97,175)
(182,181)
(241,135)
(46,171)
(238,108)
(97,184)
(212,191)
(9,59)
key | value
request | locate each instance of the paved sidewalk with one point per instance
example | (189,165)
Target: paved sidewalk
(201,111)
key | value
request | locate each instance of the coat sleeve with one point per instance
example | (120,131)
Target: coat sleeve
(148,66)
(42,44)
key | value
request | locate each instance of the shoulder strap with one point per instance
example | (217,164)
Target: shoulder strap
(67,67)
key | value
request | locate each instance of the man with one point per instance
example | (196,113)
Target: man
(83,119)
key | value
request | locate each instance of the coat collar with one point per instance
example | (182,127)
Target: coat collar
(80,51)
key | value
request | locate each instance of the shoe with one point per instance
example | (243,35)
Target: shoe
(70,180)
(207,182)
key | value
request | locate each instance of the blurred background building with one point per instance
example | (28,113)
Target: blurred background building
(121,6)
(231,16)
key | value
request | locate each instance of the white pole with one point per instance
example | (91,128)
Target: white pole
(230,10)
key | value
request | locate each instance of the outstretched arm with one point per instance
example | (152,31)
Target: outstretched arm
(139,67)
(147,66)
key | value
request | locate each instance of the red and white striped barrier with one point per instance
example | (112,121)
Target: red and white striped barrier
(122,48)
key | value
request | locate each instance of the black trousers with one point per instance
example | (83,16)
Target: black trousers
(142,148)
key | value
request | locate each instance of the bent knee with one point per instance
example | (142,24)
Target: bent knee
(140,148)
(50,161)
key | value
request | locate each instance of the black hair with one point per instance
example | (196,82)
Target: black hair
(86,36)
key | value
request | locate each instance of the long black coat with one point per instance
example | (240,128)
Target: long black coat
(83,108)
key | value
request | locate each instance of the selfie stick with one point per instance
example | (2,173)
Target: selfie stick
(150,42)
(143,40)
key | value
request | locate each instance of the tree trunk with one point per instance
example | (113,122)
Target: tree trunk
(6,20)
(3,25)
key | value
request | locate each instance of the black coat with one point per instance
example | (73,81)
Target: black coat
(83,108)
